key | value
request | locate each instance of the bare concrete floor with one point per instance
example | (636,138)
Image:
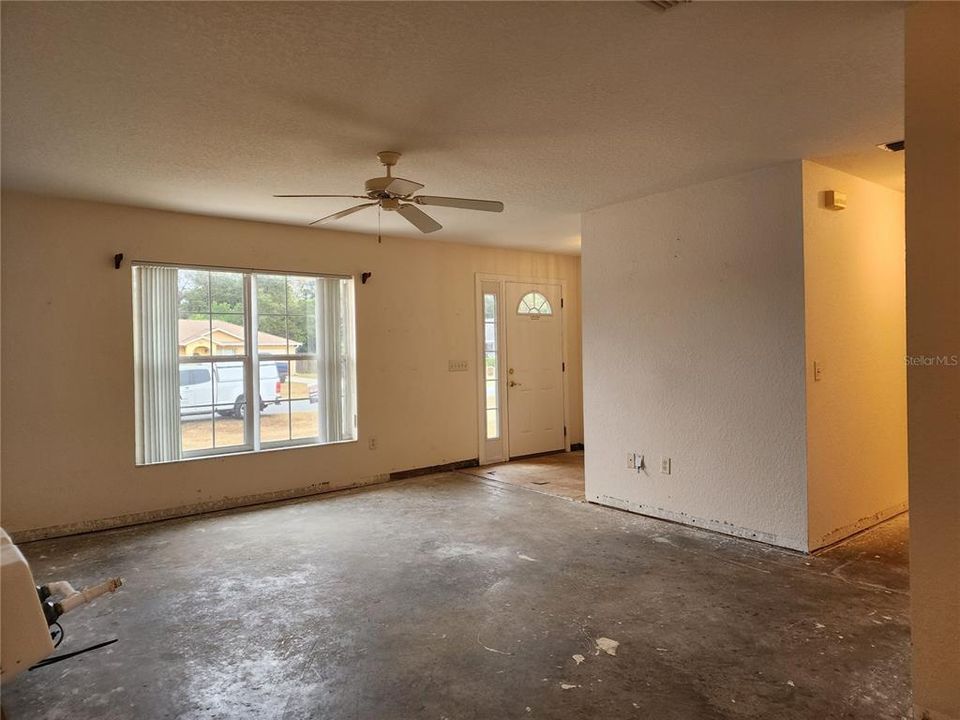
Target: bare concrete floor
(559,474)
(453,597)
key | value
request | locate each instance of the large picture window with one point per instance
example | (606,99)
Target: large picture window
(238,361)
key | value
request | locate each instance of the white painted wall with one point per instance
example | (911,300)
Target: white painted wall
(693,349)
(856,332)
(67,357)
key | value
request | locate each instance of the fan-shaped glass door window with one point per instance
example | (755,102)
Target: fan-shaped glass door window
(534,303)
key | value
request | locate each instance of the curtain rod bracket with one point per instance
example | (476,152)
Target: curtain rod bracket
(117,259)
(364,277)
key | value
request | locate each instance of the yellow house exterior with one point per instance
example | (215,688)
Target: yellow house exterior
(202,337)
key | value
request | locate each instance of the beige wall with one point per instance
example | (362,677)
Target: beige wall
(67,416)
(855,331)
(933,330)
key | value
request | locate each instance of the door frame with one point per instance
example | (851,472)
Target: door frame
(481,410)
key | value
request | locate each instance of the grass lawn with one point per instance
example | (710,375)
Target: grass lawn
(198,434)
(296,388)
(303,422)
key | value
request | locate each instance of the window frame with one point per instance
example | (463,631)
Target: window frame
(250,361)
(289,358)
(532,310)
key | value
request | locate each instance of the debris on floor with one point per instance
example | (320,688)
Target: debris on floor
(456,536)
(526,557)
(578,658)
(490,649)
(607,645)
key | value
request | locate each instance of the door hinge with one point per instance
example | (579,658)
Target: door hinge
(564,430)
(563,367)
(561,302)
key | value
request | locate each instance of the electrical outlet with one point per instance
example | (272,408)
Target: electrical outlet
(458,365)
(631,461)
(664,466)
(372,443)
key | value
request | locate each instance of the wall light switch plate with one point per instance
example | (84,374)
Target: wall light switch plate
(664,466)
(458,365)
(817,371)
(631,461)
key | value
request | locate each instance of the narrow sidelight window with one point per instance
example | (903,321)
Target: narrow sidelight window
(491,368)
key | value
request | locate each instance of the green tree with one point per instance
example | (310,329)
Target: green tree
(286,305)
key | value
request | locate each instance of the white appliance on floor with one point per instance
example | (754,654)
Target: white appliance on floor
(28,611)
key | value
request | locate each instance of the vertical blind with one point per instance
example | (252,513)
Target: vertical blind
(336,366)
(157,375)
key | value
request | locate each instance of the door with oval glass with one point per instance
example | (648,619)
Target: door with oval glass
(534,368)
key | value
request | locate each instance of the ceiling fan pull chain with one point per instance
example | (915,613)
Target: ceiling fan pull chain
(379,214)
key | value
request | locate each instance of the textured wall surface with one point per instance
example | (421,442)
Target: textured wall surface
(856,333)
(67,387)
(693,350)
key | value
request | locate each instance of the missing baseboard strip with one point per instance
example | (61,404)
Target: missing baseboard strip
(432,469)
(185,511)
(576,447)
(717,526)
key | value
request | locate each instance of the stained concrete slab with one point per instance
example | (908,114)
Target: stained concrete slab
(559,474)
(451,597)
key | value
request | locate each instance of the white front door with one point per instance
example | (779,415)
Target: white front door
(534,368)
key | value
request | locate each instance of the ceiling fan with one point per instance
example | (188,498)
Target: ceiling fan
(396,194)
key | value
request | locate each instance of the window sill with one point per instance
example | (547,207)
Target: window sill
(246,452)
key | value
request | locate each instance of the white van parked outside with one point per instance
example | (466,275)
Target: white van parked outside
(225,387)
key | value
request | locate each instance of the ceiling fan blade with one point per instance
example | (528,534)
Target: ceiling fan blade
(343,213)
(359,197)
(419,219)
(465,203)
(400,186)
